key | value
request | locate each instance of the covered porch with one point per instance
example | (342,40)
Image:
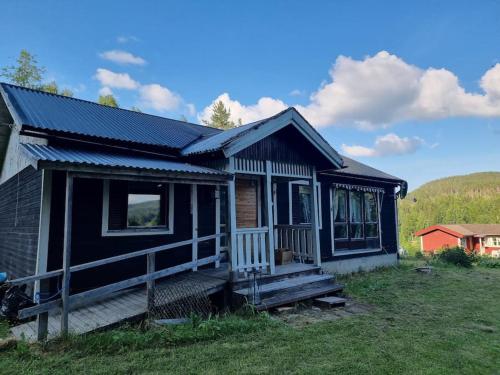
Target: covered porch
(258,230)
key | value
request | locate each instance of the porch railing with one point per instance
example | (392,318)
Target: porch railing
(297,238)
(251,249)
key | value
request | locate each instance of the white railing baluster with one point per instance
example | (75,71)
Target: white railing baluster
(263,250)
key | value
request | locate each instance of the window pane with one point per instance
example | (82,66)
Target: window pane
(340,231)
(355,211)
(371,214)
(356,230)
(371,230)
(305,204)
(143,210)
(339,206)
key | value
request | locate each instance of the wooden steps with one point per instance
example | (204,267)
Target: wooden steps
(330,301)
(291,284)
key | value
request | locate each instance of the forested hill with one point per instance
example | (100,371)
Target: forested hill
(473,198)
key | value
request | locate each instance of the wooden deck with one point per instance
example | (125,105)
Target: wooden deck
(123,306)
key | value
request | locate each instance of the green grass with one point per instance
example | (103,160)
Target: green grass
(442,323)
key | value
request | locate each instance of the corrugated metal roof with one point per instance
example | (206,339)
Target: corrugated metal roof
(354,167)
(46,111)
(217,141)
(112,159)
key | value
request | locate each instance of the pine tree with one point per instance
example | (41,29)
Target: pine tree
(221,117)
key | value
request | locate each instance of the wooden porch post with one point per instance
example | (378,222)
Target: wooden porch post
(42,286)
(231,190)
(150,285)
(269,212)
(194,209)
(314,218)
(217,224)
(68,218)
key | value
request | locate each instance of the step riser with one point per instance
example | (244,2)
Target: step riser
(312,285)
(237,285)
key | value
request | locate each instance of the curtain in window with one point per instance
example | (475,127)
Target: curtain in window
(305,204)
(356,214)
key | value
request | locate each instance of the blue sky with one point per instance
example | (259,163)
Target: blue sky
(412,89)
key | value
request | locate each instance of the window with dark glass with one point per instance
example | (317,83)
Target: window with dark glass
(355,218)
(355,214)
(371,215)
(340,214)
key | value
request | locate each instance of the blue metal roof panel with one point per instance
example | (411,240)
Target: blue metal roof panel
(112,159)
(46,111)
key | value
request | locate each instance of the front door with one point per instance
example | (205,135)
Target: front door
(247,202)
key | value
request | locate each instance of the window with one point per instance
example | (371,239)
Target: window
(355,212)
(137,208)
(300,203)
(371,215)
(355,219)
(494,241)
(340,214)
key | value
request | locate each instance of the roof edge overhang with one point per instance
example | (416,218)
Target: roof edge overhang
(11,108)
(288,117)
(129,173)
(434,228)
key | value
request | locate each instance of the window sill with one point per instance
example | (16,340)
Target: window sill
(338,253)
(136,232)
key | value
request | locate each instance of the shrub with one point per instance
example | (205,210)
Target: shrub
(488,262)
(456,256)
(419,255)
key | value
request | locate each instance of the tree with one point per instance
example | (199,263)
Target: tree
(135,109)
(221,117)
(52,88)
(26,73)
(183,118)
(108,100)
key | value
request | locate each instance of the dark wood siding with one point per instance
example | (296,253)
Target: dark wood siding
(89,244)
(19,221)
(288,146)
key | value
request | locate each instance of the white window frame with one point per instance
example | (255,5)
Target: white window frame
(106,232)
(377,208)
(332,219)
(491,241)
(290,208)
(362,222)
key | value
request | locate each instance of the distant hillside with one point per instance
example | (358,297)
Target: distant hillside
(473,198)
(143,214)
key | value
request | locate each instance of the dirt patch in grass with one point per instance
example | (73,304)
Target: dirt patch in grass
(303,315)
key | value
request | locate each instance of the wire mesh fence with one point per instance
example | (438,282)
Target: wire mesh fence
(179,297)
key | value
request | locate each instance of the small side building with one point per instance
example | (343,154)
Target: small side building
(483,239)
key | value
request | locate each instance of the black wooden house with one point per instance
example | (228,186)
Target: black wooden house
(81,182)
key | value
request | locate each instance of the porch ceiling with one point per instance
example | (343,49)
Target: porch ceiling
(85,160)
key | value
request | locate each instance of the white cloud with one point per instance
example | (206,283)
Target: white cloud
(105,91)
(385,145)
(191,109)
(116,80)
(125,39)
(122,57)
(295,92)
(381,90)
(265,107)
(159,98)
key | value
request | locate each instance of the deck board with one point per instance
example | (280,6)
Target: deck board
(122,306)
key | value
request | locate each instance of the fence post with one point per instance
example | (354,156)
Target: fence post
(217,224)
(194,209)
(68,218)
(151,267)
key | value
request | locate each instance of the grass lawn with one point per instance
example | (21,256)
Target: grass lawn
(447,322)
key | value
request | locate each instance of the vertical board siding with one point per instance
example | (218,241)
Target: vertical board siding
(19,221)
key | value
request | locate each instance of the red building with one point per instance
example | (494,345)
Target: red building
(480,238)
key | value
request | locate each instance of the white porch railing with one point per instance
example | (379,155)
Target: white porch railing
(297,238)
(251,249)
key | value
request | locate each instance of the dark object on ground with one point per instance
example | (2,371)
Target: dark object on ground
(15,299)
(3,288)
(7,343)
(424,269)
(330,301)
